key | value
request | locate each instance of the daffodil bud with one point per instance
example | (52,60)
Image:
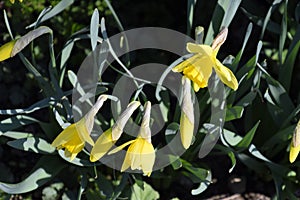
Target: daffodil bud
(187,114)
(295,144)
(145,131)
(118,127)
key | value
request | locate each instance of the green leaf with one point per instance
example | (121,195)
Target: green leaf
(230,154)
(34,107)
(46,168)
(171,131)
(199,173)
(239,55)
(246,141)
(190,15)
(283,32)
(203,185)
(16,134)
(62,5)
(234,112)
(32,144)
(175,162)
(94,28)
(231,138)
(143,194)
(286,70)
(267,18)
(222,17)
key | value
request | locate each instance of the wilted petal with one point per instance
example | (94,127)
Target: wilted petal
(226,75)
(219,40)
(6,49)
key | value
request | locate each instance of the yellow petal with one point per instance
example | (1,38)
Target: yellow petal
(102,146)
(119,148)
(6,49)
(12,1)
(202,49)
(294,151)
(199,71)
(147,158)
(66,135)
(226,75)
(83,132)
(184,64)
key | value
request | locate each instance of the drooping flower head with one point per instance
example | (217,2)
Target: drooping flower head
(73,138)
(198,68)
(140,154)
(187,114)
(295,144)
(107,139)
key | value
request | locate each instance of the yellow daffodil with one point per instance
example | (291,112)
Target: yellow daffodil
(13,1)
(13,47)
(198,68)
(295,144)
(107,139)
(140,154)
(187,115)
(73,138)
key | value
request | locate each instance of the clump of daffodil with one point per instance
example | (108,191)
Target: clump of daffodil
(140,154)
(198,68)
(295,144)
(13,1)
(73,138)
(187,114)
(107,139)
(13,47)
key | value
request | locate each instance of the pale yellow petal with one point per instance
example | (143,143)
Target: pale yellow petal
(12,1)
(126,163)
(200,49)
(119,148)
(6,49)
(199,72)
(226,75)
(102,146)
(186,131)
(147,158)
(294,151)
(185,63)
(83,132)
(66,135)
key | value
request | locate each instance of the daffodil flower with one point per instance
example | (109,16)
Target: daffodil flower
(140,154)
(73,138)
(187,114)
(13,1)
(198,68)
(13,47)
(107,139)
(295,144)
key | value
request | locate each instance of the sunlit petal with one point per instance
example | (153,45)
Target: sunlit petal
(226,75)
(66,135)
(102,146)
(200,49)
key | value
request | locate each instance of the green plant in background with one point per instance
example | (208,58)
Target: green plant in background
(266,105)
